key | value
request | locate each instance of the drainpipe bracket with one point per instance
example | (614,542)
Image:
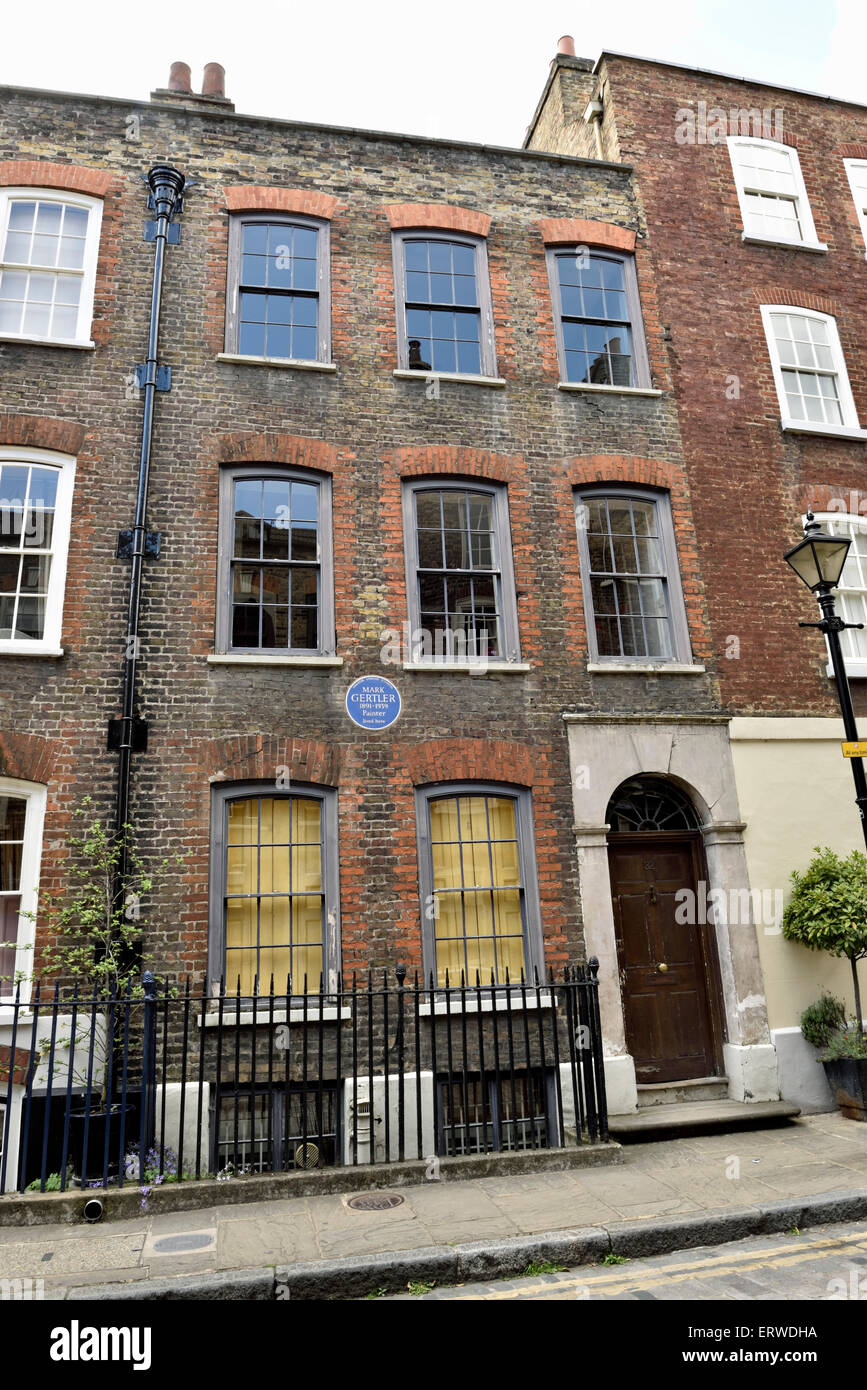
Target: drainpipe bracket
(173,233)
(163,381)
(138,735)
(126,543)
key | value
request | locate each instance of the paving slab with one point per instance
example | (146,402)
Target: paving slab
(669,1194)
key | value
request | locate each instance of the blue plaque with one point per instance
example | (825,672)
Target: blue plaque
(372,702)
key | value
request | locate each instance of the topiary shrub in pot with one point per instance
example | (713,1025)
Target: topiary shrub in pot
(828,912)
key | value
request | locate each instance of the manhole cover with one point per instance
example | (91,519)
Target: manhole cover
(375,1201)
(176,1244)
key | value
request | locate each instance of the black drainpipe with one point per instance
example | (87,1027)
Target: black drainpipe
(128,734)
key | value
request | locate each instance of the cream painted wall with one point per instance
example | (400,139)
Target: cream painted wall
(795,791)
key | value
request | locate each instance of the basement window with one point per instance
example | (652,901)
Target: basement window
(491,1114)
(48,251)
(265,1131)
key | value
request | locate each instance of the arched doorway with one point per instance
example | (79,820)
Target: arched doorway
(665,946)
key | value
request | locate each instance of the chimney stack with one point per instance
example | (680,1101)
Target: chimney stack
(214,84)
(179,78)
(213,93)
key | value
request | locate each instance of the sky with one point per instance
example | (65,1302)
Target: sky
(457,69)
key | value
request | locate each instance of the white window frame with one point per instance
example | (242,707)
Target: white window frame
(859,192)
(850,428)
(34,820)
(808,241)
(846,523)
(82,337)
(49,643)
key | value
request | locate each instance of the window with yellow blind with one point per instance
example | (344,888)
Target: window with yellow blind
(274,915)
(478,874)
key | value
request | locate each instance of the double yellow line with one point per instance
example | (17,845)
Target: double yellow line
(712,1266)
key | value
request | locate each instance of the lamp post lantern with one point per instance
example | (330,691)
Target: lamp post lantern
(818,561)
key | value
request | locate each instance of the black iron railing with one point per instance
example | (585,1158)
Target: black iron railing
(174,1085)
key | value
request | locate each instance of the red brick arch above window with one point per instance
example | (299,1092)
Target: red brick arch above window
(39,173)
(853,151)
(290,449)
(252,757)
(41,432)
(577,231)
(428,459)
(797,299)
(472,760)
(28,757)
(623,468)
(441,216)
(246,197)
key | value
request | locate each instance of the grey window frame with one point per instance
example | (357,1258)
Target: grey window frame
(237,220)
(640,360)
(225,542)
(534,954)
(511,647)
(221,796)
(487,344)
(680,640)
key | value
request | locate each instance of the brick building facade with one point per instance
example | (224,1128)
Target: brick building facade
(710,153)
(578,393)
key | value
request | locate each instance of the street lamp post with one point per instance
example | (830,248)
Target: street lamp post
(818,561)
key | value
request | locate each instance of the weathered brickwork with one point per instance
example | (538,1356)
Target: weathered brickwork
(369,432)
(749,482)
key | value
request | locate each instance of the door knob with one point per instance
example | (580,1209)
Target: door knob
(662,967)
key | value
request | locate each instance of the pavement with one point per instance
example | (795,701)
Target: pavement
(664,1196)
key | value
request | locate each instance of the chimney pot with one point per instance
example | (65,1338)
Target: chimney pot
(566,46)
(214,84)
(179,78)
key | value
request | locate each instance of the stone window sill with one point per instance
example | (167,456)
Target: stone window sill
(817,247)
(246,1018)
(271,659)
(644,668)
(296,364)
(611,390)
(469,668)
(812,427)
(470,1004)
(80,345)
(19,649)
(462,378)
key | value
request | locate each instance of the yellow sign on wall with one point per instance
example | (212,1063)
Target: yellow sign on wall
(855,750)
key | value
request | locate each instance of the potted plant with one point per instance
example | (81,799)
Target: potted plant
(90,938)
(828,912)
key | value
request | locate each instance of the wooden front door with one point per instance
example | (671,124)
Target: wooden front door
(666,967)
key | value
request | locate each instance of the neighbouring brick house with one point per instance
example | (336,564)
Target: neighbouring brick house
(755,200)
(428,420)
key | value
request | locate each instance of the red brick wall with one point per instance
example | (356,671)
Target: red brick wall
(748,480)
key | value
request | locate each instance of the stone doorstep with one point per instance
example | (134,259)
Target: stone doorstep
(666,1121)
(357,1275)
(675,1092)
(124,1204)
